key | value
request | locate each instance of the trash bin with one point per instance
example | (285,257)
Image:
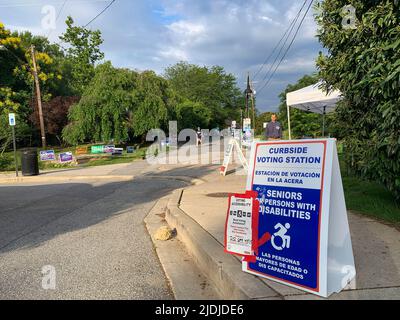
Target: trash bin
(29,162)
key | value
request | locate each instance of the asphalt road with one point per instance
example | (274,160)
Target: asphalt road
(91,235)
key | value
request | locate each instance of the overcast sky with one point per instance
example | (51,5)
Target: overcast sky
(153,34)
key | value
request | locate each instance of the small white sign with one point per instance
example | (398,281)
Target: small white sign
(239,224)
(11,119)
(246,124)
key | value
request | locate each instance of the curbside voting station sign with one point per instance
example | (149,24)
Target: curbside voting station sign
(302,206)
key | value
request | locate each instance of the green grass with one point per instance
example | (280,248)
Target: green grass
(371,199)
(368,197)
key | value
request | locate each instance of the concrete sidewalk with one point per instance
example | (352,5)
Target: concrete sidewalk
(199,213)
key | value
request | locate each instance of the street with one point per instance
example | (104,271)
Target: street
(92,233)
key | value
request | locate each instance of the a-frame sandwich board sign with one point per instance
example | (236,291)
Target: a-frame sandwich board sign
(302,206)
(232,145)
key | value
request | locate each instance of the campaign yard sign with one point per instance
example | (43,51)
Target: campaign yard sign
(47,155)
(97,149)
(109,148)
(302,207)
(66,157)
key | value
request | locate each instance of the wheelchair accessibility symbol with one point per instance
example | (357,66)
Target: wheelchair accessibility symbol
(281,233)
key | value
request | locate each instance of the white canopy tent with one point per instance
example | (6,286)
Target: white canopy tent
(312,99)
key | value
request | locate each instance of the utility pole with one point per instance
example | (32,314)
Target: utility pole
(253,105)
(38,97)
(248,93)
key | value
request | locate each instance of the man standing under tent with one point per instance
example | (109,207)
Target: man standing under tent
(273,131)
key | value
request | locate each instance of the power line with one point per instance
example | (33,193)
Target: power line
(109,5)
(40,4)
(58,15)
(283,36)
(290,45)
(283,45)
(98,15)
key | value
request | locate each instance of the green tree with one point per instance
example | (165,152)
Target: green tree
(119,104)
(192,115)
(84,52)
(260,120)
(154,103)
(212,87)
(16,80)
(102,113)
(364,64)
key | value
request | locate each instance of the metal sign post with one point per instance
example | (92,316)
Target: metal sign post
(11,121)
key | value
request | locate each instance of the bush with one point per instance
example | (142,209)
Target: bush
(364,64)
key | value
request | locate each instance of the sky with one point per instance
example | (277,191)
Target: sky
(154,34)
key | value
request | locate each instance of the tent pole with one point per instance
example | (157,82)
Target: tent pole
(288,117)
(323,122)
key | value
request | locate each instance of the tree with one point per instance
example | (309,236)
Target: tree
(102,112)
(212,87)
(16,80)
(191,115)
(363,62)
(83,53)
(55,113)
(154,102)
(260,120)
(302,123)
(119,104)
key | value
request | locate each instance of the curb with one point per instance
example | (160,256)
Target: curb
(185,279)
(63,178)
(223,270)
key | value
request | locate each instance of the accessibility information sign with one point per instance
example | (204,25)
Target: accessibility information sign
(299,187)
(240,224)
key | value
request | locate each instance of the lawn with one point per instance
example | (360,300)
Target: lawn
(371,199)
(368,197)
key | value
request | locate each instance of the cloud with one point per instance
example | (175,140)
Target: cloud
(174,54)
(153,34)
(303,64)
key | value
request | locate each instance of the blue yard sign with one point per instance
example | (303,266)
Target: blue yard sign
(47,155)
(66,157)
(294,181)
